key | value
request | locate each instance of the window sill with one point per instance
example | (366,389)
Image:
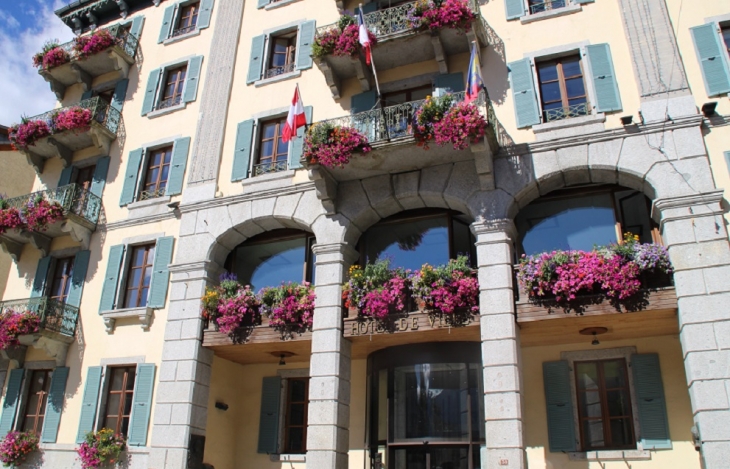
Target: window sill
(570,127)
(288,457)
(266,181)
(144,314)
(544,15)
(167,110)
(182,37)
(611,455)
(279,4)
(278,78)
(149,202)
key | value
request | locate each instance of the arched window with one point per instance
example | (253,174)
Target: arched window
(414,238)
(583,218)
(274,257)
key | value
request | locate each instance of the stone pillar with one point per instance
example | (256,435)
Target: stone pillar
(693,228)
(328,423)
(501,353)
(184,374)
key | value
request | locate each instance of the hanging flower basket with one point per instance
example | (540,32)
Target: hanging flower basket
(101,449)
(51,56)
(16,447)
(434,15)
(98,41)
(290,307)
(447,288)
(340,41)
(39,213)
(9,217)
(14,323)
(75,118)
(441,121)
(231,305)
(377,291)
(331,145)
(28,132)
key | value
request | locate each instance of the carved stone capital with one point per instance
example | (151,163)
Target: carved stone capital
(489,231)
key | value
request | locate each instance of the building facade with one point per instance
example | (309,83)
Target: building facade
(616,124)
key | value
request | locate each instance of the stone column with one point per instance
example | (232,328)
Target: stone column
(693,228)
(184,374)
(328,423)
(501,353)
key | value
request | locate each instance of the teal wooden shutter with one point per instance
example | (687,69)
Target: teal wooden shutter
(54,407)
(137,24)
(561,424)
(363,102)
(10,404)
(242,153)
(87,95)
(604,78)
(150,94)
(141,404)
(713,62)
(449,83)
(727,160)
(177,166)
(41,276)
(78,278)
(66,176)
(368,8)
(514,8)
(166,24)
(130,177)
(160,272)
(584,1)
(304,45)
(256,62)
(263,3)
(653,423)
(296,146)
(192,78)
(206,11)
(120,94)
(269,420)
(88,403)
(111,279)
(99,180)
(523,92)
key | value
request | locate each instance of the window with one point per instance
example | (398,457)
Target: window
(295,411)
(172,90)
(406,96)
(583,218)
(283,50)
(562,89)
(187,20)
(604,405)
(36,400)
(158,170)
(119,399)
(538,6)
(273,151)
(139,276)
(61,280)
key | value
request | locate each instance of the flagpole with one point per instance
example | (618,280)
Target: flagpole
(372,62)
(375,76)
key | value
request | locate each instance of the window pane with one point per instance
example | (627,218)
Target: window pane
(113,404)
(593,433)
(621,433)
(635,214)
(409,244)
(613,374)
(296,439)
(130,299)
(575,87)
(547,71)
(168,156)
(587,375)
(111,422)
(617,403)
(165,175)
(143,297)
(270,264)
(131,375)
(410,458)
(125,426)
(127,403)
(571,67)
(451,458)
(296,414)
(567,223)
(726,37)
(267,149)
(269,130)
(138,256)
(117,379)
(421,93)
(590,403)
(134,277)
(298,390)
(550,92)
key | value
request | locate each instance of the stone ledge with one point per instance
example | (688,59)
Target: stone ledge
(182,37)
(570,127)
(616,455)
(544,15)
(167,110)
(288,457)
(282,77)
(273,6)
(110,317)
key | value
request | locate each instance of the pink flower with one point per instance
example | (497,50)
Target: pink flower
(25,134)
(333,146)
(74,118)
(99,40)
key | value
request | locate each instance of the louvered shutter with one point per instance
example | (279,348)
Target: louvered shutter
(256,61)
(304,45)
(177,166)
(649,389)
(263,3)
(192,78)
(296,146)
(136,29)
(559,403)
(150,94)
(99,179)
(206,11)
(141,404)
(514,8)
(111,279)
(363,102)
(523,92)
(41,276)
(167,20)
(89,402)
(10,404)
(269,419)
(368,8)
(713,59)
(160,272)
(449,83)
(120,94)
(87,95)
(54,407)
(604,78)
(242,152)
(66,176)
(130,177)
(78,278)
(584,1)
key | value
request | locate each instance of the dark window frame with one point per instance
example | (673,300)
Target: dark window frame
(725,35)
(540,6)
(277,161)
(147,263)
(38,415)
(561,80)
(66,264)
(291,38)
(173,86)
(408,92)
(120,416)
(153,189)
(187,19)
(287,415)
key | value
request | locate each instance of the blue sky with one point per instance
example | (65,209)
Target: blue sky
(25,25)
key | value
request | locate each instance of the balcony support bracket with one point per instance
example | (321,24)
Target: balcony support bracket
(325,187)
(144,314)
(34,159)
(16,355)
(82,76)
(39,241)
(101,139)
(54,347)
(12,248)
(484,164)
(440,54)
(362,71)
(329,76)
(62,151)
(120,64)
(58,88)
(78,232)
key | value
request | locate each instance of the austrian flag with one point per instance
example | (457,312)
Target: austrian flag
(295,119)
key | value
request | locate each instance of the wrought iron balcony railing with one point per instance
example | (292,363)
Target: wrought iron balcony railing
(575,110)
(269,167)
(55,316)
(547,6)
(72,198)
(169,102)
(183,30)
(101,113)
(280,70)
(124,39)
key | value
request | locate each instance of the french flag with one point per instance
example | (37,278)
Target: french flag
(363,36)
(295,118)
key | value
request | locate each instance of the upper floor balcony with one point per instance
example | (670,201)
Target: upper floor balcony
(105,50)
(38,217)
(60,132)
(404,34)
